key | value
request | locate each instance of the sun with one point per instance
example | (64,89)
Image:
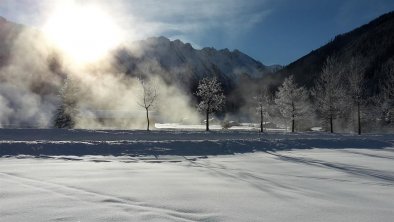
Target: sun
(83,33)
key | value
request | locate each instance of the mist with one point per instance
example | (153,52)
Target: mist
(110,100)
(28,86)
(35,72)
(108,93)
(34,68)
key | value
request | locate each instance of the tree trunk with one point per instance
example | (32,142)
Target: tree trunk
(331,127)
(207,123)
(293,119)
(359,118)
(261,121)
(292,124)
(147,119)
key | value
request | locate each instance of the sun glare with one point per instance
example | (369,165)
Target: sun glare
(84,33)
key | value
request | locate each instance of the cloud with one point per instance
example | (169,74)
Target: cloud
(141,19)
(28,12)
(186,18)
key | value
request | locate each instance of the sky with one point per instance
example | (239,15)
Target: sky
(271,31)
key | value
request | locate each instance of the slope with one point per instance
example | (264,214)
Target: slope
(374,42)
(178,61)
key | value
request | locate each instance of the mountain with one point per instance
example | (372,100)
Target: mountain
(178,61)
(175,61)
(373,42)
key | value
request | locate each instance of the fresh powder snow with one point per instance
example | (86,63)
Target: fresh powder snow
(287,177)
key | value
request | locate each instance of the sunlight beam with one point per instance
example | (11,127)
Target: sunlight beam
(84,33)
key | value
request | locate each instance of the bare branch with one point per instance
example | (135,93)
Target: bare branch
(148,97)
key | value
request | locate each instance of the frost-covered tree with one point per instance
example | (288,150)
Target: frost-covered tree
(386,96)
(292,101)
(329,93)
(388,85)
(210,92)
(262,101)
(147,98)
(66,113)
(356,87)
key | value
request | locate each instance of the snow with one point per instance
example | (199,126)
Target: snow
(289,177)
(185,126)
(302,185)
(38,142)
(241,126)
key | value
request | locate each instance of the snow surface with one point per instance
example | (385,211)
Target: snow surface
(301,185)
(38,142)
(271,177)
(242,126)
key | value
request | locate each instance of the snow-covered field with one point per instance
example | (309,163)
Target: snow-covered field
(39,142)
(241,126)
(288,177)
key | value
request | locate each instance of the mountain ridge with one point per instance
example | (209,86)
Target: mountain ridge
(168,53)
(179,63)
(181,60)
(374,42)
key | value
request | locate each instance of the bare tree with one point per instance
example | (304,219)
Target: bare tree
(212,98)
(262,101)
(329,92)
(356,86)
(292,101)
(147,98)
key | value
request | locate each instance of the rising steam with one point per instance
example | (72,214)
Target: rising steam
(36,68)
(28,87)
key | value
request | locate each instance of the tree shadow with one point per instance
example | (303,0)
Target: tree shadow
(346,168)
(204,146)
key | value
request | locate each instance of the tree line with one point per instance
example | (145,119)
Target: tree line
(338,94)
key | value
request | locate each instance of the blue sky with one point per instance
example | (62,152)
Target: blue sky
(271,31)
